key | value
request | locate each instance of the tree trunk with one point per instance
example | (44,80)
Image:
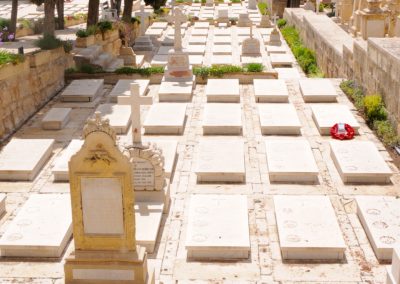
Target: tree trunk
(118,6)
(49,24)
(127,15)
(14,13)
(60,12)
(93,13)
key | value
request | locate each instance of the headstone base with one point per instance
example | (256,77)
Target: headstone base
(143,43)
(108,267)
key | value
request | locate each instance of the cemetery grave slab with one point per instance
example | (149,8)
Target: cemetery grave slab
(218,227)
(42,227)
(196,49)
(22,159)
(175,91)
(275,49)
(84,90)
(3,198)
(60,169)
(222,49)
(165,118)
(270,91)
(308,228)
(122,92)
(327,115)
(220,160)
(223,90)
(201,25)
(316,90)
(221,32)
(221,59)
(202,40)
(56,118)
(118,115)
(283,167)
(222,40)
(199,32)
(380,218)
(359,162)
(222,119)
(280,59)
(279,119)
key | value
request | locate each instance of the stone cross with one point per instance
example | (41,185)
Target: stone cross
(179,18)
(136,101)
(317,6)
(142,16)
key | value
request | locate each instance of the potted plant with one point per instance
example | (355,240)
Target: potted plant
(84,38)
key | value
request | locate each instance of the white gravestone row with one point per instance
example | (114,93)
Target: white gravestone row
(166,118)
(85,90)
(279,119)
(222,119)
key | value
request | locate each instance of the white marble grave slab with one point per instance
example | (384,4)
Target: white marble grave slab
(196,49)
(118,115)
(202,40)
(270,91)
(222,119)
(196,60)
(317,90)
(327,115)
(159,25)
(60,170)
(218,227)
(221,59)
(220,160)
(56,118)
(380,218)
(201,25)
(222,40)
(288,73)
(222,32)
(123,89)
(359,162)
(22,159)
(199,32)
(291,160)
(279,119)
(175,91)
(308,228)
(222,49)
(148,220)
(395,271)
(222,90)
(154,32)
(166,118)
(84,90)
(42,227)
(159,60)
(275,49)
(281,59)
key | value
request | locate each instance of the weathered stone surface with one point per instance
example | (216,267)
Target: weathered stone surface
(22,159)
(279,119)
(42,228)
(118,115)
(218,227)
(222,90)
(271,91)
(175,91)
(3,198)
(60,169)
(222,119)
(56,118)
(165,118)
(308,228)
(317,90)
(84,90)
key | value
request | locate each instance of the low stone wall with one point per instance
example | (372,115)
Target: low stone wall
(26,87)
(373,64)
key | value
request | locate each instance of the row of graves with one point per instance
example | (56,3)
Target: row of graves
(119,184)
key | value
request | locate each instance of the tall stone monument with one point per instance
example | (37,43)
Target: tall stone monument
(178,68)
(373,20)
(143,42)
(102,200)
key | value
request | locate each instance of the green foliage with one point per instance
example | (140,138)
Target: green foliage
(48,42)
(71,70)
(68,45)
(25,23)
(216,70)
(156,4)
(236,1)
(355,93)
(305,56)
(263,7)
(89,69)
(254,67)
(82,33)
(104,26)
(385,131)
(281,23)
(4,23)
(8,57)
(203,1)
(91,30)
(374,108)
(141,71)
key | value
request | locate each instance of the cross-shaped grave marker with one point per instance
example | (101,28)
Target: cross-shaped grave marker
(143,15)
(136,100)
(178,18)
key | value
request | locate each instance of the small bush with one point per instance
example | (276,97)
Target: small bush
(236,1)
(142,71)
(281,23)
(68,45)
(25,23)
(48,42)
(4,23)
(216,70)
(254,67)
(386,132)
(374,108)
(90,69)
(82,33)
(355,93)
(203,1)
(263,8)
(71,70)
(8,57)
(104,26)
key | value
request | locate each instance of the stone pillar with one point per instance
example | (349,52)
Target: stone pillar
(373,20)
(345,11)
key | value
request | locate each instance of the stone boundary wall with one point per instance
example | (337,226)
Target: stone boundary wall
(26,87)
(373,64)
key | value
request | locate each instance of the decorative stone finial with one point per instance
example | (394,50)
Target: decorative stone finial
(97,124)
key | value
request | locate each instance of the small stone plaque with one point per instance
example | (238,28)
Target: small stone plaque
(143,174)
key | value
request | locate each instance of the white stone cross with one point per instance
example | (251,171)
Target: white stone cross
(142,16)
(136,99)
(179,18)
(317,2)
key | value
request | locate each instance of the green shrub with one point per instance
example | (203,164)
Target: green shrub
(68,45)
(281,23)
(216,70)
(386,132)
(203,1)
(236,1)
(25,23)
(104,26)
(90,69)
(142,71)
(71,70)
(82,33)
(374,108)
(4,23)
(8,57)
(263,7)
(48,42)
(254,67)
(91,30)
(355,93)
